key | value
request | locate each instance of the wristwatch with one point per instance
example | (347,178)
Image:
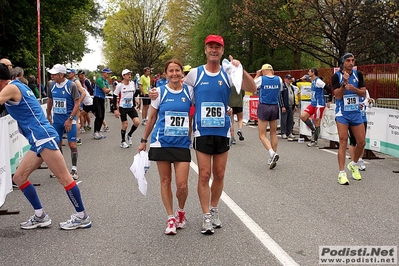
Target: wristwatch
(143,140)
(71,117)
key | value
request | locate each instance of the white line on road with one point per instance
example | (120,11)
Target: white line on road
(259,233)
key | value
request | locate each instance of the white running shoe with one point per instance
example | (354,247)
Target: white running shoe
(362,166)
(313,144)
(129,140)
(171,226)
(273,160)
(215,218)
(180,219)
(124,145)
(207,227)
(35,222)
(74,174)
(75,222)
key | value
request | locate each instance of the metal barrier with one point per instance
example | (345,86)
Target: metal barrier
(388,103)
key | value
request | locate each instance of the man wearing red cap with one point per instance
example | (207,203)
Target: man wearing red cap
(211,125)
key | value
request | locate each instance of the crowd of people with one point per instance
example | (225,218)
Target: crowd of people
(190,108)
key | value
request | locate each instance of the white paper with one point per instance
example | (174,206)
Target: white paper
(139,168)
(234,72)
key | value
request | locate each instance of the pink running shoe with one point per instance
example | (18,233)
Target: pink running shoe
(180,219)
(171,226)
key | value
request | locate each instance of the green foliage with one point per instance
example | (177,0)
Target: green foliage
(289,34)
(63,31)
(133,35)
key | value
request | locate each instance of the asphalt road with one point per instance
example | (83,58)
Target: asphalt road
(270,217)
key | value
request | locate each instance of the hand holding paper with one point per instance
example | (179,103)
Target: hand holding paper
(234,70)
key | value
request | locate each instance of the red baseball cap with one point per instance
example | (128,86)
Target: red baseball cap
(214,38)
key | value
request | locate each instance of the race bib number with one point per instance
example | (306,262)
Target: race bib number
(351,102)
(212,114)
(176,123)
(128,103)
(59,106)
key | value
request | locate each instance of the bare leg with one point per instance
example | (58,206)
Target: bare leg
(219,168)
(273,134)
(262,131)
(181,173)
(165,175)
(343,143)
(204,174)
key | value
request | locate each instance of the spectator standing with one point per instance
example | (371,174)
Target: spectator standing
(7,63)
(114,82)
(33,85)
(71,76)
(269,88)
(145,86)
(87,104)
(101,89)
(288,106)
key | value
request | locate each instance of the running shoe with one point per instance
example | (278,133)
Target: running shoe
(124,145)
(74,174)
(87,128)
(129,140)
(273,160)
(233,141)
(284,136)
(180,219)
(291,136)
(144,122)
(35,222)
(312,136)
(82,130)
(362,166)
(52,175)
(355,171)
(207,227)
(75,222)
(342,179)
(79,142)
(312,144)
(240,136)
(98,135)
(106,129)
(171,226)
(215,218)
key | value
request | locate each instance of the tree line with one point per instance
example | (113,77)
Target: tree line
(288,34)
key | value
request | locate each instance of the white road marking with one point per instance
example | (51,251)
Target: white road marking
(259,233)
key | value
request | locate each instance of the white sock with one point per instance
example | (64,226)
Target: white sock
(271,152)
(39,213)
(81,215)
